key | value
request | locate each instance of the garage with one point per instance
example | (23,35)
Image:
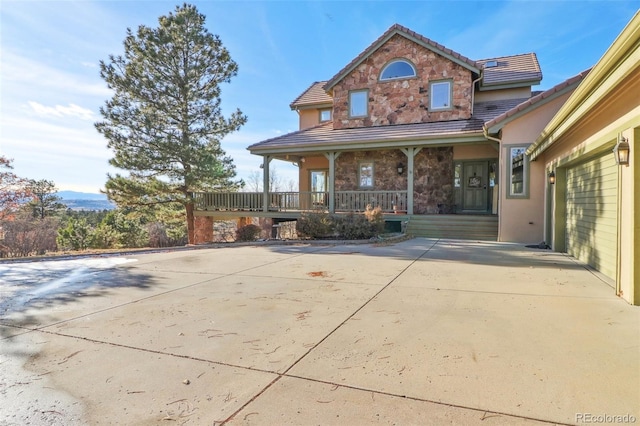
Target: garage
(591,223)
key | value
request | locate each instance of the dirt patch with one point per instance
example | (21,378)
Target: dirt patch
(321,274)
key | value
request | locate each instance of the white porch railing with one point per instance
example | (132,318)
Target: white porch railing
(345,201)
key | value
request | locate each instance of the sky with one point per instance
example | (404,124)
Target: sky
(51,90)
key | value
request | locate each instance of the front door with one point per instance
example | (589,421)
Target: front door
(474,186)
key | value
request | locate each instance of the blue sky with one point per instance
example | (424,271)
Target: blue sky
(50,88)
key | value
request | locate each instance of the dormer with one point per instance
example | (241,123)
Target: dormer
(314,106)
(508,77)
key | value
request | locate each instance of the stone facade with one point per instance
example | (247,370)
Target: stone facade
(433,176)
(385,170)
(433,181)
(402,101)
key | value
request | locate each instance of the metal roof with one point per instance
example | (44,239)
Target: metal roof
(324,134)
(510,70)
(313,95)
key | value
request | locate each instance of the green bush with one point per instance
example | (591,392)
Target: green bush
(349,226)
(315,225)
(248,232)
(76,235)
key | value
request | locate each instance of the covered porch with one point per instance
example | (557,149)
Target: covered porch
(340,202)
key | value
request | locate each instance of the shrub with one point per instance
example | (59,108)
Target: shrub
(349,226)
(24,236)
(315,225)
(375,218)
(76,235)
(248,232)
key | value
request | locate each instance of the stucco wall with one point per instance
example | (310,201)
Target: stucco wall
(475,152)
(522,219)
(311,163)
(308,118)
(402,101)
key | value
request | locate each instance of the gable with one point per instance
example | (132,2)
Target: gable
(403,100)
(399,30)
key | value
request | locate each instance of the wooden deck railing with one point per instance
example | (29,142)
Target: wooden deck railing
(345,201)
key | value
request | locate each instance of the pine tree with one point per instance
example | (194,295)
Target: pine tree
(164,122)
(44,199)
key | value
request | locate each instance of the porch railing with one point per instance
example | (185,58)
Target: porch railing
(345,201)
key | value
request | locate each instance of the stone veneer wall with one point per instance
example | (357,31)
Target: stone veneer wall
(433,181)
(402,101)
(385,170)
(433,176)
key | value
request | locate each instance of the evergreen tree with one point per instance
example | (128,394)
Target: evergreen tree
(45,201)
(164,122)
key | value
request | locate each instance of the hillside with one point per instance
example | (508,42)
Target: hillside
(85,201)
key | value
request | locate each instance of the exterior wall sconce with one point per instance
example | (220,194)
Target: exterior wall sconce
(400,168)
(552,177)
(302,159)
(621,151)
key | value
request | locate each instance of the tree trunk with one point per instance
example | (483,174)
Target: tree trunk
(190,223)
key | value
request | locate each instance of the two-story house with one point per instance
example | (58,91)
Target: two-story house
(432,137)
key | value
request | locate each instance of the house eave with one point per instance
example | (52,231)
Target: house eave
(434,140)
(511,85)
(302,107)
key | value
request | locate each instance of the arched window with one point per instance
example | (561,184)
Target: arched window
(400,68)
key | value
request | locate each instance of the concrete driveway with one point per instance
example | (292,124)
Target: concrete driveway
(419,332)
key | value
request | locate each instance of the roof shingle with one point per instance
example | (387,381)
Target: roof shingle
(511,69)
(325,135)
(313,95)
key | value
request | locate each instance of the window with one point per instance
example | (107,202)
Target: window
(365,174)
(399,68)
(518,172)
(440,95)
(325,115)
(358,103)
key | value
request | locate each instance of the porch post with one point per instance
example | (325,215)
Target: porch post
(331,156)
(410,153)
(265,182)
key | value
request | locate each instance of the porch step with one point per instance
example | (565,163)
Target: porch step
(457,226)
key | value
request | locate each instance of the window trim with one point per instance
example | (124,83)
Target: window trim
(403,77)
(437,82)
(366,102)
(360,164)
(320,111)
(525,172)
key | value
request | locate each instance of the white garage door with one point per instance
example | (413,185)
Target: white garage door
(592,191)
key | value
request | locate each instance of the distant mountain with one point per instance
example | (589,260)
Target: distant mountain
(85,201)
(73,195)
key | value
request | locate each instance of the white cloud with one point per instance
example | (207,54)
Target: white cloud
(23,76)
(72,110)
